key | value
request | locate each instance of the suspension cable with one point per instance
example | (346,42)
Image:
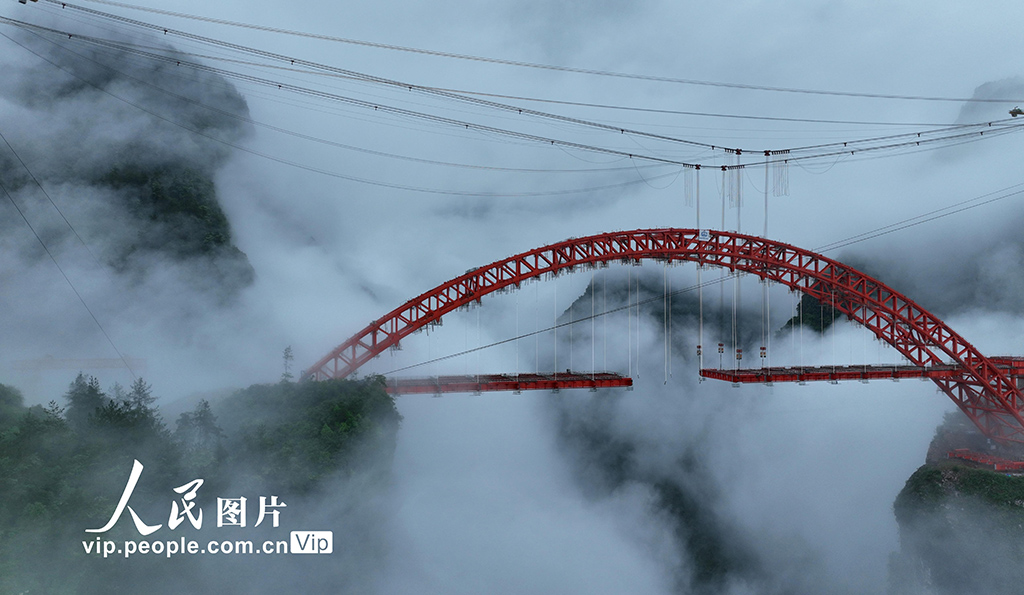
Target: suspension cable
(524,64)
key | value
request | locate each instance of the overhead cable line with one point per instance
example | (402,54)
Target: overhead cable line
(779,156)
(953,209)
(550,67)
(348,147)
(682,112)
(354,74)
(424,89)
(374,106)
(47,195)
(81,299)
(346,176)
(628,108)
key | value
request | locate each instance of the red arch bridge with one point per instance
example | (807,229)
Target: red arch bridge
(986,389)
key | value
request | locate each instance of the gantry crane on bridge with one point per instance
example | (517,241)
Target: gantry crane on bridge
(986,389)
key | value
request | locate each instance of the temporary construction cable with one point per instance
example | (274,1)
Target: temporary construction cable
(766,312)
(556,325)
(64,274)
(48,197)
(572,316)
(326,68)
(833,308)
(358,179)
(47,250)
(604,319)
(525,64)
(821,150)
(664,316)
(737,188)
(638,326)
(536,328)
(700,290)
(593,334)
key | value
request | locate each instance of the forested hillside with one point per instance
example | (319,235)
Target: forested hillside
(63,469)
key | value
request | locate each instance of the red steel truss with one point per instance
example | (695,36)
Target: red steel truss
(984,460)
(983,391)
(1011,366)
(512,382)
(828,373)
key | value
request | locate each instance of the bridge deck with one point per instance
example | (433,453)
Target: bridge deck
(505,382)
(829,373)
(988,461)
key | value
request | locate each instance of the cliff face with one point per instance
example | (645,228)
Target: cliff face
(961,528)
(128,151)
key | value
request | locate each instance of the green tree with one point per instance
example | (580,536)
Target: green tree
(813,314)
(117,392)
(199,437)
(11,405)
(141,394)
(199,426)
(84,398)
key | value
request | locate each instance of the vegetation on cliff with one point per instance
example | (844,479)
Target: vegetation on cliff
(961,527)
(176,215)
(63,469)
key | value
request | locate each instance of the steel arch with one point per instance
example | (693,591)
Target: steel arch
(988,396)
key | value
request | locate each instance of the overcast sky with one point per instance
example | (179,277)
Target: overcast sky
(331,253)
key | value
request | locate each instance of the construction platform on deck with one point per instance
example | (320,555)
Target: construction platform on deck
(506,382)
(828,373)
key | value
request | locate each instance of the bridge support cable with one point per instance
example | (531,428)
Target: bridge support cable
(604,319)
(800,303)
(735,334)
(554,324)
(664,315)
(981,389)
(479,341)
(766,312)
(629,320)
(700,288)
(766,166)
(536,328)
(736,199)
(721,287)
(768,322)
(638,351)
(833,309)
(572,323)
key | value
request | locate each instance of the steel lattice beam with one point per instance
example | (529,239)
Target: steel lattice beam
(829,373)
(505,382)
(983,392)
